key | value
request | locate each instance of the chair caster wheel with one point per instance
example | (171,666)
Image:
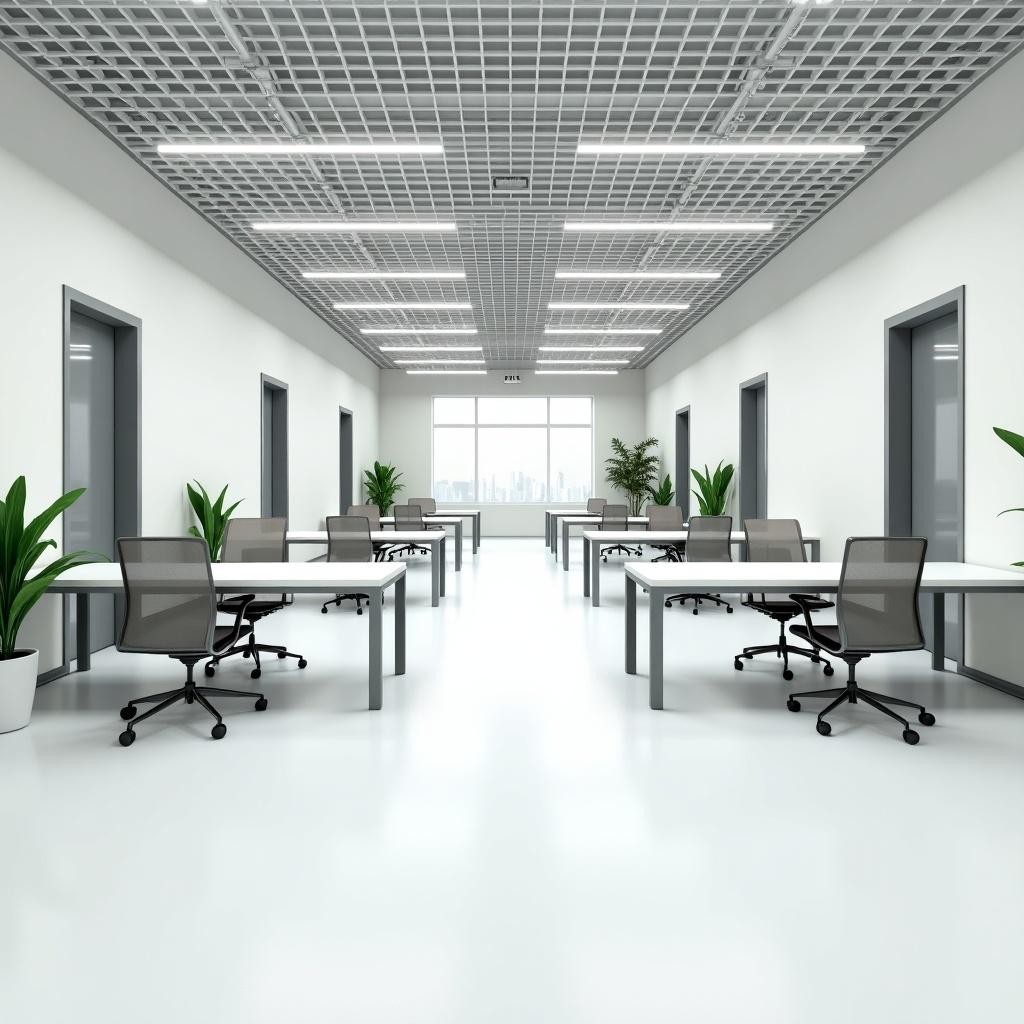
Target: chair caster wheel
(829,670)
(668,604)
(219,731)
(911,737)
(926,718)
(694,611)
(814,661)
(793,705)
(128,711)
(255,673)
(261,704)
(728,608)
(324,610)
(208,671)
(787,674)
(737,664)
(823,728)
(281,655)
(359,611)
(303,663)
(245,654)
(127,738)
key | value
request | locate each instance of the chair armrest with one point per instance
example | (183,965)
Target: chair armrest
(809,603)
(244,600)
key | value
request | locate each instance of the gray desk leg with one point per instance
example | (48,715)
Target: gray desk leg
(400,625)
(83,656)
(595,573)
(656,617)
(476,532)
(458,546)
(586,566)
(815,550)
(630,625)
(376,684)
(547,529)
(554,538)
(939,631)
(565,551)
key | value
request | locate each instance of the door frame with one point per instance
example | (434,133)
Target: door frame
(344,484)
(760,483)
(273,384)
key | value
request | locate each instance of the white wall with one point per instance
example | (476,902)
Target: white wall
(405,428)
(77,211)
(946,212)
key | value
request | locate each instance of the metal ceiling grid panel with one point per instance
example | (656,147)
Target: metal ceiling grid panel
(511,89)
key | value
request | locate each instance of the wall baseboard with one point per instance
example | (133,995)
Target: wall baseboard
(1004,685)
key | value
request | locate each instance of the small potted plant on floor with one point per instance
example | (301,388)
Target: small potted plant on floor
(713,495)
(21,547)
(212,515)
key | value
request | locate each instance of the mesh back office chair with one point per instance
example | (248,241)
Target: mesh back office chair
(778,540)
(348,540)
(171,609)
(372,515)
(615,518)
(876,612)
(596,505)
(427,507)
(666,517)
(708,539)
(408,517)
(254,540)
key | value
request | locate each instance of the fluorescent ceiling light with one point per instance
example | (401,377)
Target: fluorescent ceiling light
(602,330)
(431,348)
(403,305)
(585,362)
(590,348)
(417,330)
(619,305)
(437,373)
(767,149)
(566,373)
(355,227)
(638,275)
(681,226)
(384,275)
(275,149)
(440,362)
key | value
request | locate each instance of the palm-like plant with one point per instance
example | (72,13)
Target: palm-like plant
(20,549)
(1016,442)
(382,485)
(663,493)
(212,515)
(631,470)
(714,488)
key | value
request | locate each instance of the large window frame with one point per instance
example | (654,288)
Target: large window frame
(476,426)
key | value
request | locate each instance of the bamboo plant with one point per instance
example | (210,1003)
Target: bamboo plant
(631,471)
(212,515)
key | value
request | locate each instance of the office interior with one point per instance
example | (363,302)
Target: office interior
(520,829)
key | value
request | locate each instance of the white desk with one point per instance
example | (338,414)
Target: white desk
(665,578)
(473,514)
(584,521)
(433,539)
(439,520)
(551,517)
(371,578)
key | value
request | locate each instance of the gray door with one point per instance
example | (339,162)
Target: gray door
(89,523)
(753,451)
(274,490)
(345,459)
(935,450)
(682,480)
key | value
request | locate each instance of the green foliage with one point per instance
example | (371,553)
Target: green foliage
(20,548)
(382,485)
(663,493)
(714,489)
(1016,442)
(213,517)
(631,470)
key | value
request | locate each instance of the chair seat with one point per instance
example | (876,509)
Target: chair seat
(256,609)
(822,636)
(788,608)
(224,636)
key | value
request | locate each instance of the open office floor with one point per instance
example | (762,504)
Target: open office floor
(515,837)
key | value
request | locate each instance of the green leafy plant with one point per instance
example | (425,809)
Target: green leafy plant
(631,470)
(20,548)
(1016,442)
(714,488)
(663,493)
(382,485)
(212,515)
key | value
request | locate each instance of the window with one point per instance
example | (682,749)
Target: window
(526,448)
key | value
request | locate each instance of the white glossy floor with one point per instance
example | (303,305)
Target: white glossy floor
(516,837)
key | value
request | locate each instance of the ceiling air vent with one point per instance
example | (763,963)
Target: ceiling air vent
(510,182)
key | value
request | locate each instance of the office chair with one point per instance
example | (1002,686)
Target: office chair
(596,505)
(372,516)
(778,540)
(254,540)
(666,517)
(876,612)
(348,540)
(171,609)
(408,517)
(616,518)
(708,539)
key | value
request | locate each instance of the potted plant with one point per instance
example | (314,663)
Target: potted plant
(1016,442)
(382,485)
(663,493)
(631,470)
(212,515)
(20,548)
(714,488)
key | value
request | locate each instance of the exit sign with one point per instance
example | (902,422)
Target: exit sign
(513,378)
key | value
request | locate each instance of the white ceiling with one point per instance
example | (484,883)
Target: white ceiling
(511,88)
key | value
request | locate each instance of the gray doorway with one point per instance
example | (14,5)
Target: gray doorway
(101,445)
(345,468)
(683,461)
(924,495)
(273,447)
(754,449)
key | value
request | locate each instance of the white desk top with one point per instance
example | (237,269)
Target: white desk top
(585,520)
(402,536)
(443,519)
(658,536)
(570,512)
(453,512)
(809,577)
(252,577)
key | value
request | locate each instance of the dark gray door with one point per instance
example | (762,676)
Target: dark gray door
(274,487)
(753,451)
(345,458)
(935,448)
(89,523)
(682,480)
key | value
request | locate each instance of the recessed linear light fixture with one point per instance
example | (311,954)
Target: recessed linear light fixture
(590,348)
(638,275)
(417,330)
(355,227)
(677,226)
(431,348)
(440,362)
(437,373)
(384,275)
(765,149)
(585,362)
(575,373)
(403,305)
(620,305)
(276,149)
(602,330)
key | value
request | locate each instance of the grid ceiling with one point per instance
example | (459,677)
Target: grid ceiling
(511,88)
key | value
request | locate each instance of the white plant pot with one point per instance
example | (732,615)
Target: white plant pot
(17,689)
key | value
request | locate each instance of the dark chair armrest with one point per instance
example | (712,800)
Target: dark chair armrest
(809,603)
(244,600)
